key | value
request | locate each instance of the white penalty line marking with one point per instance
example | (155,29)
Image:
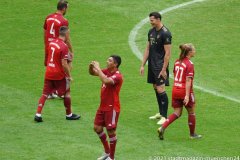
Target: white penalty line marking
(133,34)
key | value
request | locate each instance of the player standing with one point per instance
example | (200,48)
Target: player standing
(109,109)
(157,53)
(57,75)
(182,92)
(51,27)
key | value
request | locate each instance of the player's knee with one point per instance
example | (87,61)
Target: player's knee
(178,113)
(111,131)
(160,89)
(97,129)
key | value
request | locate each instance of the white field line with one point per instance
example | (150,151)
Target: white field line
(132,43)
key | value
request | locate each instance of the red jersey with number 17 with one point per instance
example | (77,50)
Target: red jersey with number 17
(182,70)
(110,92)
(52,24)
(57,50)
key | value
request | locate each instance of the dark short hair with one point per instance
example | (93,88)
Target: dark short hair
(117,59)
(63,30)
(156,15)
(62,4)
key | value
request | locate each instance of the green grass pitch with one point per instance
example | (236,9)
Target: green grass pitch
(98,29)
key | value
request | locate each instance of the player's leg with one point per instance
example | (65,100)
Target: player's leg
(63,88)
(151,80)
(192,117)
(111,120)
(113,141)
(162,100)
(177,105)
(47,89)
(98,128)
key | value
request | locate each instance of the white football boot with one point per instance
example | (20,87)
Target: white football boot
(161,121)
(156,116)
(104,156)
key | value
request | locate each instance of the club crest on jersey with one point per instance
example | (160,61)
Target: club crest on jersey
(158,36)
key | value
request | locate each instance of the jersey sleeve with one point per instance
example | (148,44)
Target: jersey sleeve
(45,24)
(117,78)
(65,23)
(167,38)
(190,70)
(64,54)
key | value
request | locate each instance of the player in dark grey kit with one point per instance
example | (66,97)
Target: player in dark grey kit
(157,54)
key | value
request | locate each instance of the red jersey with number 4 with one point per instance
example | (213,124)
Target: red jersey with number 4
(57,50)
(181,71)
(52,24)
(110,92)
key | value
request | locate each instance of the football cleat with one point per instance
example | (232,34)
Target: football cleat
(104,156)
(73,117)
(156,116)
(52,96)
(108,158)
(160,133)
(38,119)
(195,136)
(161,121)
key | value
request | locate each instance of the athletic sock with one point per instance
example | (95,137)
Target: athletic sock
(113,142)
(104,141)
(164,103)
(170,119)
(67,104)
(191,123)
(41,103)
(159,102)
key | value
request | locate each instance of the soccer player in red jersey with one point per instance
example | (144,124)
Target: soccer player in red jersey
(57,75)
(109,109)
(51,27)
(182,92)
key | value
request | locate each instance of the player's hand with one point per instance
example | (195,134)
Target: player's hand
(96,65)
(70,79)
(163,73)
(72,55)
(186,100)
(142,70)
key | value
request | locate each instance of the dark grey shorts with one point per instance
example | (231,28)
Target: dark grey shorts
(153,77)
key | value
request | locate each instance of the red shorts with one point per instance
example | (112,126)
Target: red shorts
(61,86)
(178,103)
(108,119)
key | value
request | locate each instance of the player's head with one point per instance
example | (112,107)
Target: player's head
(114,61)
(155,18)
(62,6)
(64,32)
(187,50)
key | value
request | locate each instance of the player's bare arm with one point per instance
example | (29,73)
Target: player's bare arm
(101,75)
(188,87)
(66,68)
(163,72)
(145,57)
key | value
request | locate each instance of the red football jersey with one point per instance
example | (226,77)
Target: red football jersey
(57,51)
(181,71)
(52,24)
(110,92)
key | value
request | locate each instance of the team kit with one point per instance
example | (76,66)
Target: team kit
(59,56)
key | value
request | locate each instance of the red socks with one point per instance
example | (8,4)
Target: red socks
(67,104)
(170,119)
(41,103)
(191,123)
(113,142)
(104,141)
